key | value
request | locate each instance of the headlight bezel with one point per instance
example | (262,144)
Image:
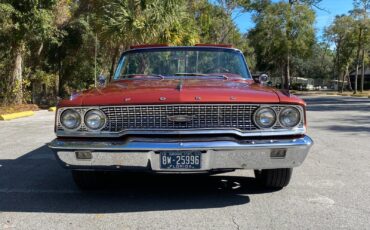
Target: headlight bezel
(258,123)
(278,109)
(290,108)
(100,113)
(63,124)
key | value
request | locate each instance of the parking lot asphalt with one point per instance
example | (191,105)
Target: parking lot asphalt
(330,190)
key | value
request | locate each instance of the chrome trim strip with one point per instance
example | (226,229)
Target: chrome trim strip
(255,133)
(158,144)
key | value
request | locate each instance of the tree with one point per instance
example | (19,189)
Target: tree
(342,34)
(129,22)
(360,13)
(282,31)
(23,23)
(317,66)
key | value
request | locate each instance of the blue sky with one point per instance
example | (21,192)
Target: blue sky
(323,18)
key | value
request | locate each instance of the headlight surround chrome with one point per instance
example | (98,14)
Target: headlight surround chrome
(95,119)
(289,117)
(70,119)
(265,117)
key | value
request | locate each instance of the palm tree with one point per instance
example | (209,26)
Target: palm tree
(127,22)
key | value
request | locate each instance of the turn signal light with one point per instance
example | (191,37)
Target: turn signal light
(278,153)
(83,155)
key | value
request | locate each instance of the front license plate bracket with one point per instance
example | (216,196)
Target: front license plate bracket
(180,159)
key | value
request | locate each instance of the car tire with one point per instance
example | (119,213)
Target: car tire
(273,178)
(85,180)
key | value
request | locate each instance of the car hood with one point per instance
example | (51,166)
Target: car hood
(173,91)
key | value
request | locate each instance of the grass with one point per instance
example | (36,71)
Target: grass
(18,108)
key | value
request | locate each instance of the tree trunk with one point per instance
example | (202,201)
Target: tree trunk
(282,77)
(114,58)
(33,66)
(287,74)
(17,77)
(59,80)
(342,86)
(348,79)
(358,59)
(356,78)
(57,85)
(334,68)
(365,11)
(363,70)
(338,66)
(288,35)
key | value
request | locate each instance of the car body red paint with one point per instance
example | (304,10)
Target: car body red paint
(209,91)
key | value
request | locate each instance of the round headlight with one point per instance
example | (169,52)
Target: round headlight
(289,117)
(70,119)
(95,119)
(265,117)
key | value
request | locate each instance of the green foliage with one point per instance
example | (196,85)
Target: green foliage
(282,31)
(48,46)
(136,21)
(318,66)
(342,34)
(22,23)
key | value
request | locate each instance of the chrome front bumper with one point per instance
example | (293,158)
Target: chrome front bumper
(218,154)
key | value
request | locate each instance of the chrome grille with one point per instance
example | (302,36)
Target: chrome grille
(144,117)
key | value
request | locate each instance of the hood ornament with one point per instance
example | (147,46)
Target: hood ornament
(181,118)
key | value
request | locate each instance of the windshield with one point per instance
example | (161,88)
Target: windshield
(180,62)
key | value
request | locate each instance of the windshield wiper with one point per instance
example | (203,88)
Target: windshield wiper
(201,75)
(128,76)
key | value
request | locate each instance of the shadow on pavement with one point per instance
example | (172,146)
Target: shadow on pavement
(348,128)
(337,104)
(36,183)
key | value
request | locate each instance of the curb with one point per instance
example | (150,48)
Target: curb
(359,95)
(334,94)
(52,109)
(11,116)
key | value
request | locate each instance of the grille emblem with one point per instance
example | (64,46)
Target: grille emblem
(180,118)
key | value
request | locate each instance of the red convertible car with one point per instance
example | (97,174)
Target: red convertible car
(182,110)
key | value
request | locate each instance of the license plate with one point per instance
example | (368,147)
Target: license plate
(180,159)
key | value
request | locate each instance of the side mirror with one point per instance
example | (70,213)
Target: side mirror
(102,80)
(262,78)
